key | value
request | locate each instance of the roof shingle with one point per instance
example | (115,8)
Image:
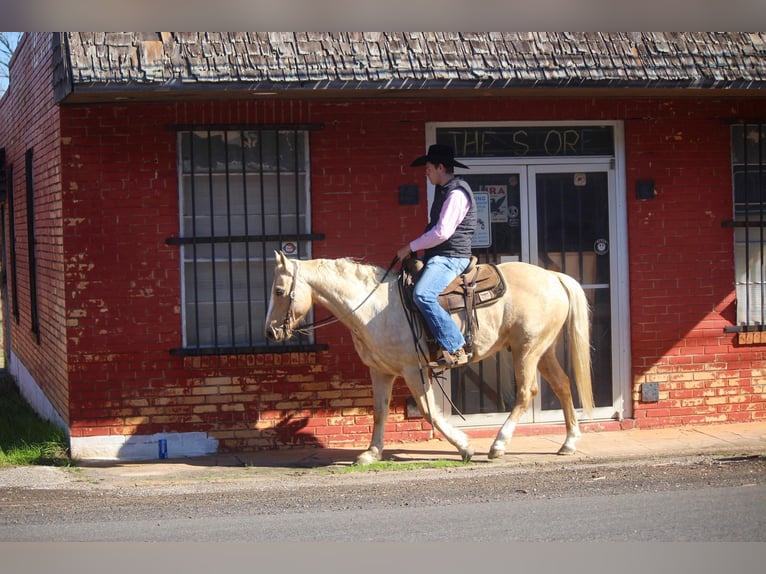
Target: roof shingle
(381,60)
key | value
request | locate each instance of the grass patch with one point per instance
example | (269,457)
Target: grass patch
(394,465)
(25,438)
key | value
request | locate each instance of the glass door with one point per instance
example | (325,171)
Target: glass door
(570,211)
(558,217)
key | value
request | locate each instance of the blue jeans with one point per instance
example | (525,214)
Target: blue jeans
(437,274)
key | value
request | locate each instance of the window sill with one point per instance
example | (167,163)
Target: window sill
(254,350)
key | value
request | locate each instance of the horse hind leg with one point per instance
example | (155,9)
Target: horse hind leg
(559,382)
(526,390)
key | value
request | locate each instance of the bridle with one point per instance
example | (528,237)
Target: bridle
(289,315)
(305,329)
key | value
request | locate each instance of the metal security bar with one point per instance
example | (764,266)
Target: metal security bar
(749,183)
(244,195)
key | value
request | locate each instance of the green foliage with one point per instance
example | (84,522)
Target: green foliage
(24,437)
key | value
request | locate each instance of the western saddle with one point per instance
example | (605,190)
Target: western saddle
(478,285)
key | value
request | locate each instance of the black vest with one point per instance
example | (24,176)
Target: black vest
(459,245)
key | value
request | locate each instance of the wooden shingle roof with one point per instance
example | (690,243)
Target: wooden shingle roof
(100,62)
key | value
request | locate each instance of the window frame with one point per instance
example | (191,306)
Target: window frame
(257,246)
(749,221)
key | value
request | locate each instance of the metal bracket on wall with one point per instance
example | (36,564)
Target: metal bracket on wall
(650,392)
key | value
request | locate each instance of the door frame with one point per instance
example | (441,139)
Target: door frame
(619,269)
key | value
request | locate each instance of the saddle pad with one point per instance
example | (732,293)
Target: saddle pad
(489,286)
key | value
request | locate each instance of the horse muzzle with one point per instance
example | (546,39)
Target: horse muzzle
(277,333)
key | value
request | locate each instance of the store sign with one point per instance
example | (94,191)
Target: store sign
(528,141)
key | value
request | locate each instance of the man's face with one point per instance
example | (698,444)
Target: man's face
(435,173)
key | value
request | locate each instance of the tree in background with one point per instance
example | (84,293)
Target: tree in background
(8,43)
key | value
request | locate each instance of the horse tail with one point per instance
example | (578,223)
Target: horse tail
(578,331)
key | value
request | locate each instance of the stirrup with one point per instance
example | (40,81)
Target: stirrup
(449,360)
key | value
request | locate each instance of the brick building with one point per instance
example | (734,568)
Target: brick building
(147,179)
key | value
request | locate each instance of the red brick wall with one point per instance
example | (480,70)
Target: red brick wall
(122,282)
(124,285)
(682,269)
(29,120)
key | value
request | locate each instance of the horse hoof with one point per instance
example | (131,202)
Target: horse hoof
(495,453)
(566,449)
(466,453)
(368,457)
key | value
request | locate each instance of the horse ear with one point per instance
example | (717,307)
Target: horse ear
(281,258)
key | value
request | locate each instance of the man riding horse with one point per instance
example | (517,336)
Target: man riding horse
(447,245)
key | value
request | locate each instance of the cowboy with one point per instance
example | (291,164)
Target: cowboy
(447,245)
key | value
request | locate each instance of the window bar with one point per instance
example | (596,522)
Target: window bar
(247,243)
(562,226)
(500,403)
(458,391)
(564,243)
(760,215)
(232,321)
(192,176)
(297,189)
(544,245)
(212,234)
(278,185)
(580,234)
(747,228)
(280,227)
(278,179)
(305,338)
(264,246)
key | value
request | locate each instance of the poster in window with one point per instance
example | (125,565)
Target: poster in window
(482,237)
(498,198)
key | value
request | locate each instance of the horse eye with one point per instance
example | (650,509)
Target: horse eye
(280,292)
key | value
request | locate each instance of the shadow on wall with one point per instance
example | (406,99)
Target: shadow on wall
(289,432)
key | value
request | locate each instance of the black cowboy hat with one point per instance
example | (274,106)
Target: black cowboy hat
(437,154)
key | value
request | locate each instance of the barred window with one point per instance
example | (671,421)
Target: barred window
(749,180)
(244,194)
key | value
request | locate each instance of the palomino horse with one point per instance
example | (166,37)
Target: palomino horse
(537,307)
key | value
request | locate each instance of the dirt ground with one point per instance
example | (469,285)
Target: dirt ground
(37,495)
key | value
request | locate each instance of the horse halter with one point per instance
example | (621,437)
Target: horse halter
(289,314)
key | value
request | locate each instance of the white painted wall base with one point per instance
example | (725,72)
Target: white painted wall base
(33,394)
(109,447)
(141,447)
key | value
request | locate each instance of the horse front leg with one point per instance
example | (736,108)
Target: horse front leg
(424,399)
(381,396)
(526,390)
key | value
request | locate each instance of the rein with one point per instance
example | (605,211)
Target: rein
(416,330)
(330,320)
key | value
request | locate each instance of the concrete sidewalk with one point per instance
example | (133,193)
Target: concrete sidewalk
(727,440)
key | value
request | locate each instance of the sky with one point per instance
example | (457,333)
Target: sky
(14,38)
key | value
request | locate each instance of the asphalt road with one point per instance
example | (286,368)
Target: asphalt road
(680,499)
